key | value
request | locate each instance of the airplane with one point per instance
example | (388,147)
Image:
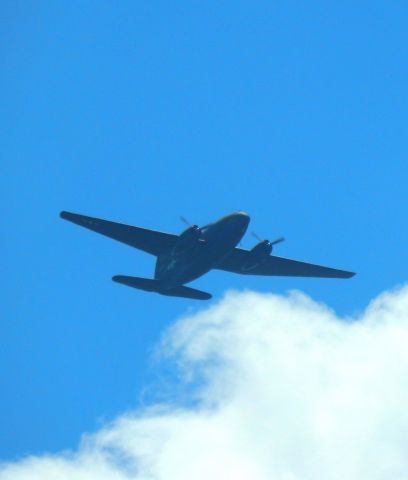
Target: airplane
(197,250)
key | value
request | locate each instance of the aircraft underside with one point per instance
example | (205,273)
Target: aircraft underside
(185,257)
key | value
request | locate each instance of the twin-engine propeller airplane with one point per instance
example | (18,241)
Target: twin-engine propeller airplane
(183,258)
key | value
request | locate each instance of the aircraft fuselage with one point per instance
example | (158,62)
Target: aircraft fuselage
(217,240)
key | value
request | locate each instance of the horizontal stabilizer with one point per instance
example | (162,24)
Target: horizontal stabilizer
(187,292)
(147,284)
(151,285)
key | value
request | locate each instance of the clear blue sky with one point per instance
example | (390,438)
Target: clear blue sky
(143,111)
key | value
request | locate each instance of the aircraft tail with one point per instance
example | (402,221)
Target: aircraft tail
(150,285)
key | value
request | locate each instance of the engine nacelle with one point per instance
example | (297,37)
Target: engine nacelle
(257,255)
(187,241)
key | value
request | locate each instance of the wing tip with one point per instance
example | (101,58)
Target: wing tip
(348,274)
(65,215)
(118,278)
(77,218)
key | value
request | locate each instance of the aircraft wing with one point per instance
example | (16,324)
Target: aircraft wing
(150,241)
(239,262)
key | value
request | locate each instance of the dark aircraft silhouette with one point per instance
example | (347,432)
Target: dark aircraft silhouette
(183,258)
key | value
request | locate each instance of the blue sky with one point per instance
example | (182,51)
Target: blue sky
(144,111)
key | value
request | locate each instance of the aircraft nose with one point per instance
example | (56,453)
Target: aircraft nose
(237,219)
(243,217)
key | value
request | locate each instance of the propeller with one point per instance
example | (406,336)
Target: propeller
(191,226)
(274,242)
(184,220)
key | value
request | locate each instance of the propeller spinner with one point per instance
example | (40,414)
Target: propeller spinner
(190,225)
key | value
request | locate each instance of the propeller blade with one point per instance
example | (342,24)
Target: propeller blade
(257,237)
(184,220)
(274,242)
(278,240)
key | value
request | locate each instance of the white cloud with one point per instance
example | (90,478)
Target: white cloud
(285,390)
